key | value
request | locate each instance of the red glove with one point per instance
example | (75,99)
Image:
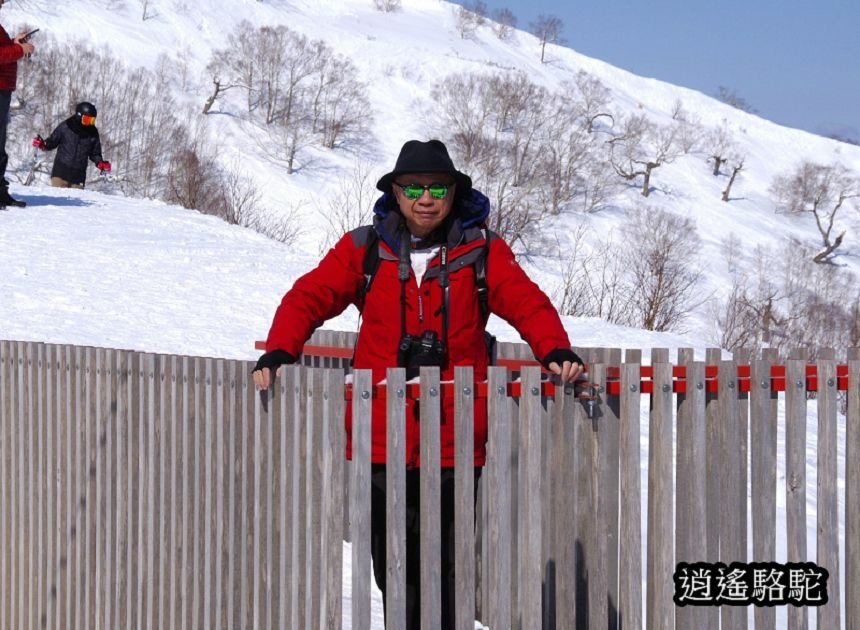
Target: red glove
(39,143)
(103,166)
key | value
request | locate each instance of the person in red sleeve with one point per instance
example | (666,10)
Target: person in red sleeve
(422,307)
(11,50)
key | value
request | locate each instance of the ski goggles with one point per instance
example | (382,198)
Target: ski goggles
(414,191)
(88,120)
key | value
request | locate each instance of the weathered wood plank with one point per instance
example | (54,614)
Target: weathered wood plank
(395,500)
(464,497)
(852,494)
(795,475)
(431,539)
(827,501)
(763,430)
(499,487)
(529,530)
(730,489)
(691,517)
(331,613)
(630,497)
(660,609)
(359,495)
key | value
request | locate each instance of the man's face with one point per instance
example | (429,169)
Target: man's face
(425,212)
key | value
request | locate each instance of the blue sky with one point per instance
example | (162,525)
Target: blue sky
(794,61)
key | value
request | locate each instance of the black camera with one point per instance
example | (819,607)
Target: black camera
(428,349)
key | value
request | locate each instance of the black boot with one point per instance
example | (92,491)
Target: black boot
(8,200)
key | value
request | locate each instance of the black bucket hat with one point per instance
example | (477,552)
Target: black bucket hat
(425,157)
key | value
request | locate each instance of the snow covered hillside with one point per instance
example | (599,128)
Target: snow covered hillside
(402,56)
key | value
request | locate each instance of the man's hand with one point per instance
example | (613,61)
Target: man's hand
(269,361)
(39,143)
(103,166)
(566,363)
(28,48)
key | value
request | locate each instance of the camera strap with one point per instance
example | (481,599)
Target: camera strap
(403,269)
(445,285)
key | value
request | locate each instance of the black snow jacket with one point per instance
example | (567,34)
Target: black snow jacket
(74,143)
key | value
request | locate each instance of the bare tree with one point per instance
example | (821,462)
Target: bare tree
(469,17)
(737,167)
(820,190)
(729,96)
(240,197)
(548,29)
(660,255)
(341,110)
(593,280)
(720,145)
(146,5)
(352,204)
(593,100)
(640,147)
(504,23)
(688,128)
(284,226)
(387,5)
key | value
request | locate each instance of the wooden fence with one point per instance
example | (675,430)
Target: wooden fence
(150,491)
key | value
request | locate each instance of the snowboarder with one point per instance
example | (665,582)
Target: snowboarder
(76,139)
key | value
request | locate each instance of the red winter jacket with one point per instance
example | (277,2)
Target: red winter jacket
(337,281)
(10,53)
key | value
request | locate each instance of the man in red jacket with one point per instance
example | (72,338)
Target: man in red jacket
(422,307)
(10,52)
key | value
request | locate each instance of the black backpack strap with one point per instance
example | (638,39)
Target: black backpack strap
(481,279)
(369,265)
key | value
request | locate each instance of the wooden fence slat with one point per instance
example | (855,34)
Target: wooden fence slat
(630,498)
(196,471)
(795,475)
(395,500)
(691,516)
(219,427)
(120,481)
(529,530)
(561,454)
(31,493)
(5,537)
(584,509)
(41,489)
(713,464)
(99,508)
(763,477)
(78,493)
(314,490)
(289,394)
(173,498)
(827,501)
(499,487)
(852,495)
(256,533)
(660,615)
(431,539)
(464,497)
(359,495)
(331,613)
(5,482)
(243,481)
(730,490)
